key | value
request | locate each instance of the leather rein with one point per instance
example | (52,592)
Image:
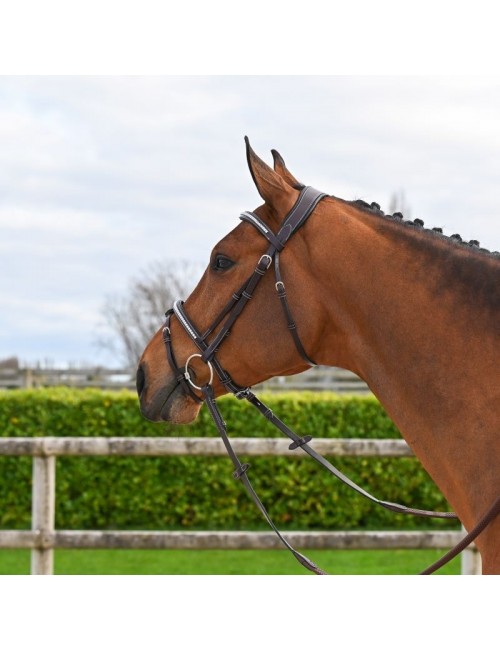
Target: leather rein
(303,208)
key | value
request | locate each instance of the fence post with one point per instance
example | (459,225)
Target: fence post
(43,514)
(471,562)
(27,378)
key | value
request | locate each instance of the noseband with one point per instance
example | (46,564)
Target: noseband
(298,215)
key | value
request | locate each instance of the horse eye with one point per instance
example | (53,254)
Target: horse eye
(222,263)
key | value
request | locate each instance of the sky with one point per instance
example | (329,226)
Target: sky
(101,176)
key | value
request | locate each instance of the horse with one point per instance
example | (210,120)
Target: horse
(411,311)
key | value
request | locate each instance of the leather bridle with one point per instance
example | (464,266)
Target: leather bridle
(298,215)
(305,204)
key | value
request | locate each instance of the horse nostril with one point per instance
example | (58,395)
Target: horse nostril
(140,380)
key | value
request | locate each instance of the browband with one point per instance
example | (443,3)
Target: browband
(305,204)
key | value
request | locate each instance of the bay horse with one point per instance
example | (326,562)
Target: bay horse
(412,312)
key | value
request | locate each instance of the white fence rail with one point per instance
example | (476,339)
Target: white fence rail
(317,379)
(38,377)
(42,539)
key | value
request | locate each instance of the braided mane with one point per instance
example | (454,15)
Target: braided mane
(374,208)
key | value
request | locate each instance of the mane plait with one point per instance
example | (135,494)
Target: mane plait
(374,208)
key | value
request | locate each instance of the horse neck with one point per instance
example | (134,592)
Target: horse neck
(406,312)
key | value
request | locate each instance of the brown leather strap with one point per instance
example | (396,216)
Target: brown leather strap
(292,326)
(240,473)
(179,374)
(490,515)
(321,460)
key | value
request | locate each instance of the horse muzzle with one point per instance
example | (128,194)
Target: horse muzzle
(165,401)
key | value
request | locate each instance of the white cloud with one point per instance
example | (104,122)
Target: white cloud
(101,175)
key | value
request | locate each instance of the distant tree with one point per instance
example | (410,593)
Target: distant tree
(398,204)
(10,363)
(132,318)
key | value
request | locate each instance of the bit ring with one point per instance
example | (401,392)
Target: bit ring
(187,376)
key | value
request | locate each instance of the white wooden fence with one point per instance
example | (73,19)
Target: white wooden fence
(42,539)
(317,379)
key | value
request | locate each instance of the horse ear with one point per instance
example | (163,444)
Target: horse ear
(269,184)
(280,168)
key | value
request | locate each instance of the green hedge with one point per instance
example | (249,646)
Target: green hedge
(200,493)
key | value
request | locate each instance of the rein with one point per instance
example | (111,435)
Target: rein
(307,201)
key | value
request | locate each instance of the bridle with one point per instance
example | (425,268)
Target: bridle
(305,204)
(296,217)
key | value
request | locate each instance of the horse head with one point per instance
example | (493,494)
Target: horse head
(258,347)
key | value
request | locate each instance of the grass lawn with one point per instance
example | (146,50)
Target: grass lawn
(175,562)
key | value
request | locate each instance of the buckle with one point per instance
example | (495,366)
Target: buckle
(244,393)
(242,469)
(270,259)
(300,442)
